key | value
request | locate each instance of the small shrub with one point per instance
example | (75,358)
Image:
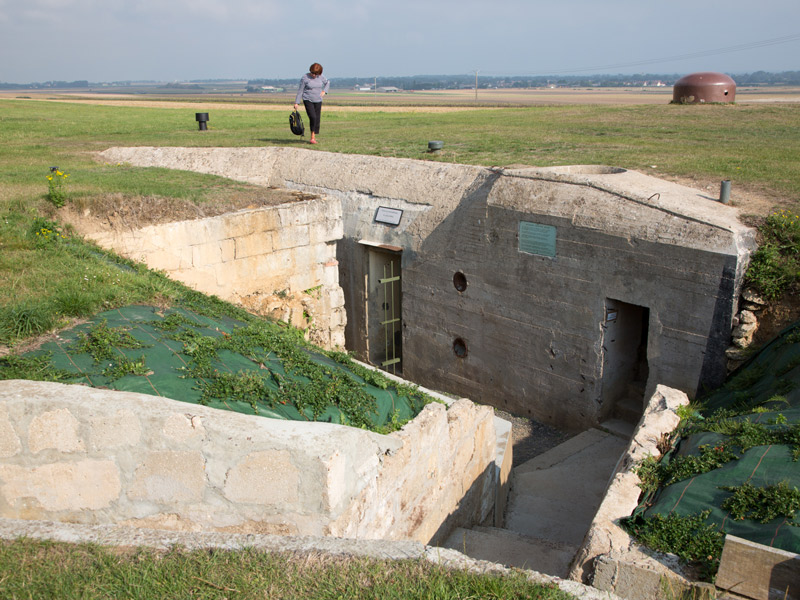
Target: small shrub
(102,341)
(56,187)
(775,266)
(45,234)
(125,366)
(689,537)
(762,504)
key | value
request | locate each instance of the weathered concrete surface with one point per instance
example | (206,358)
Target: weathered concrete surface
(534,325)
(114,535)
(757,571)
(276,261)
(86,455)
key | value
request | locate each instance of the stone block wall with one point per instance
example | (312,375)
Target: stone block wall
(83,455)
(276,261)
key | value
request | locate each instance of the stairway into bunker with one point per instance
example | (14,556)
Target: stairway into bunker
(553,499)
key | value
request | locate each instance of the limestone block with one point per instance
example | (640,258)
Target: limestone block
(734,353)
(337,339)
(326,253)
(228,249)
(752,297)
(290,237)
(182,427)
(203,280)
(267,478)
(233,225)
(9,440)
(115,431)
(57,430)
(743,334)
(254,244)
(292,215)
(169,477)
(262,220)
(747,317)
(325,231)
(162,260)
(321,209)
(299,282)
(83,485)
(211,229)
(280,262)
(204,255)
(330,275)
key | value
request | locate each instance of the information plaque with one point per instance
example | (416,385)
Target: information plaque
(535,238)
(388,216)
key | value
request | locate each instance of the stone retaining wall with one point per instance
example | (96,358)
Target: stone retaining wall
(275,261)
(82,455)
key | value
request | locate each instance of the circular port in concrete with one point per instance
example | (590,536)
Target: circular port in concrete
(460,348)
(585,170)
(460,281)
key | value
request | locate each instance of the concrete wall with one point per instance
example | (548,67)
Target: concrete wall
(82,455)
(533,325)
(277,261)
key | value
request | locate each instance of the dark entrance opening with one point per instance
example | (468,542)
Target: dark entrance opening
(625,368)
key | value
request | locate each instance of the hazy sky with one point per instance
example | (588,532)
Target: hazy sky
(165,40)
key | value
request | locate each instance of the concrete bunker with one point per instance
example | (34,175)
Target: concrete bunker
(565,294)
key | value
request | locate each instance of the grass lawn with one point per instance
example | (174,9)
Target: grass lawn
(49,278)
(31,569)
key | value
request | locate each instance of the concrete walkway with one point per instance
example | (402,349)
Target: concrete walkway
(553,499)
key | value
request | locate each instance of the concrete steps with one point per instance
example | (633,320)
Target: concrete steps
(513,549)
(552,502)
(555,495)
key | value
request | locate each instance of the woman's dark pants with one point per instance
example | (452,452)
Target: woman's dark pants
(314,112)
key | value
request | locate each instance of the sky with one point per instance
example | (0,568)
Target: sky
(184,40)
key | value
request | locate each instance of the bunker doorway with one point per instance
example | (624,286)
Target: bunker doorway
(384,310)
(625,367)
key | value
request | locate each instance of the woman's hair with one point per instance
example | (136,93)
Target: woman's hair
(315,69)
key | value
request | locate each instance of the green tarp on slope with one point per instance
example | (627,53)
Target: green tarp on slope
(764,391)
(167,361)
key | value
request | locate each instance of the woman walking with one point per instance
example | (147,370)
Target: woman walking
(313,86)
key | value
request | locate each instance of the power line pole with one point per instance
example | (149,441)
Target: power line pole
(476,85)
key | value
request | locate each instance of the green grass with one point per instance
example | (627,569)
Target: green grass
(33,569)
(47,279)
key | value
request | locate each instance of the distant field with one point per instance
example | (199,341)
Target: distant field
(755,142)
(341,99)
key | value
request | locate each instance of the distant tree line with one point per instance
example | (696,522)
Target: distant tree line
(443,82)
(44,85)
(431,82)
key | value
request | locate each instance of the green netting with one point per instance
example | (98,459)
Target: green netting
(756,416)
(260,368)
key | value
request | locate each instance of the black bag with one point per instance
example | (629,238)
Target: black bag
(296,123)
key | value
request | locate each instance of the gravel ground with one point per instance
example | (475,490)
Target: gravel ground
(530,438)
